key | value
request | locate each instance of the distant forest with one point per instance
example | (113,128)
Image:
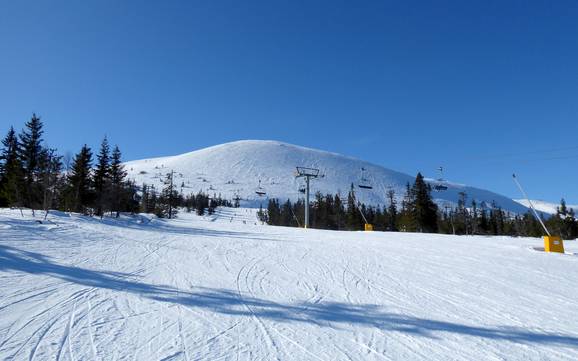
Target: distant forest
(417,213)
(35,176)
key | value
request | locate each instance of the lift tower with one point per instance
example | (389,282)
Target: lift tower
(307,173)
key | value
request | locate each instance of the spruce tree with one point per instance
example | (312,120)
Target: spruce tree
(423,209)
(273,212)
(151,205)
(406,221)
(262,215)
(117,181)
(168,197)
(81,194)
(483,224)
(461,215)
(562,210)
(11,172)
(50,169)
(30,149)
(287,214)
(391,212)
(474,217)
(102,178)
(339,212)
(353,221)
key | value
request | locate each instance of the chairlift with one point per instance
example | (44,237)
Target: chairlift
(302,188)
(440,184)
(260,190)
(363,181)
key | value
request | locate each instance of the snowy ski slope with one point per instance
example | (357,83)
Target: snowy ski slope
(226,288)
(236,168)
(545,207)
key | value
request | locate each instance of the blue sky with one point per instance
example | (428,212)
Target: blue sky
(483,88)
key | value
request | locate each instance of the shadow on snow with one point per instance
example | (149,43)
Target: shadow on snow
(326,314)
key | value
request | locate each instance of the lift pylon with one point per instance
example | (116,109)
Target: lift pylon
(306,173)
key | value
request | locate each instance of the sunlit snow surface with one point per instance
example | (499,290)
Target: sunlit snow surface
(226,288)
(545,207)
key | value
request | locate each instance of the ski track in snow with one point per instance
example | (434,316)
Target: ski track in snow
(223,288)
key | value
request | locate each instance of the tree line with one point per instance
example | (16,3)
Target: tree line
(417,212)
(166,202)
(35,176)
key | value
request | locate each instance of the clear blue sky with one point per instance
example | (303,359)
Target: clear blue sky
(483,88)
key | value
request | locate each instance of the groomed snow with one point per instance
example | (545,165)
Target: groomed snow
(226,288)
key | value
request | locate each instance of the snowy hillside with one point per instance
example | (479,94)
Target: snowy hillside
(225,288)
(546,207)
(236,168)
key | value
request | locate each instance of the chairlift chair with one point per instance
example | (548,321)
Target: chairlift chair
(260,190)
(302,188)
(364,182)
(440,186)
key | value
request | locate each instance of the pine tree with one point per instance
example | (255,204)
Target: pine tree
(145,198)
(11,172)
(339,212)
(262,215)
(474,217)
(50,169)
(273,212)
(9,145)
(102,178)
(287,214)
(30,149)
(353,217)
(151,204)
(168,198)
(201,203)
(422,208)
(117,181)
(483,225)
(212,206)
(562,210)
(564,222)
(130,197)
(331,212)
(571,225)
(406,221)
(461,215)
(81,193)
(391,212)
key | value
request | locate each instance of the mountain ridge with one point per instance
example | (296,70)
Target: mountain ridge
(235,169)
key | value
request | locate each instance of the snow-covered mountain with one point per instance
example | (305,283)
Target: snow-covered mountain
(236,168)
